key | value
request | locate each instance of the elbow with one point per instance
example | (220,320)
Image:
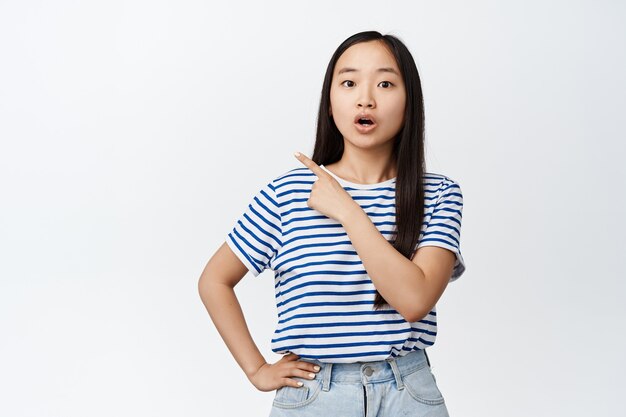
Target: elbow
(204,286)
(419,308)
(413,317)
(416,315)
(201,283)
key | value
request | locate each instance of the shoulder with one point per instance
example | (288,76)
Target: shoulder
(439,179)
(441,184)
(285,182)
(291,176)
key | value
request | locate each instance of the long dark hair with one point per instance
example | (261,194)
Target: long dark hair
(408,150)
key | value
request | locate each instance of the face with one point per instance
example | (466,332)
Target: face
(367,80)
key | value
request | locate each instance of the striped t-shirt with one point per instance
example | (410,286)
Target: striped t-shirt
(324,296)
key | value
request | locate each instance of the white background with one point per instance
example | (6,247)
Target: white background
(134,133)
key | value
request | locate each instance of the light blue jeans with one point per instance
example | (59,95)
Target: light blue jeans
(400,386)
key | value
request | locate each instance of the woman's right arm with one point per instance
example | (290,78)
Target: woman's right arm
(216,287)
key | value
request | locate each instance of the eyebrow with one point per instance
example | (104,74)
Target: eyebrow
(385,69)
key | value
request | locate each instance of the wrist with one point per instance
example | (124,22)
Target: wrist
(350,212)
(252,371)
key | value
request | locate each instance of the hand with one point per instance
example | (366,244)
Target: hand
(273,376)
(327,195)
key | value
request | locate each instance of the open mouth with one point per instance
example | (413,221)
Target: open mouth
(364,124)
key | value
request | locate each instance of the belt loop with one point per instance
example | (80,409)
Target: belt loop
(326,380)
(396,373)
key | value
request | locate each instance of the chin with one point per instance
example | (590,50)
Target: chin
(365,141)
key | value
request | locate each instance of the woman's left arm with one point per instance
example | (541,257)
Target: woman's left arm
(412,287)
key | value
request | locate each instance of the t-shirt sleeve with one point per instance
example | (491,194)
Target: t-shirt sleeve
(444,226)
(256,236)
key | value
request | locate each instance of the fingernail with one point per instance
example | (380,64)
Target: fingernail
(312,375)
(300,383)
(296,153)
(317,368)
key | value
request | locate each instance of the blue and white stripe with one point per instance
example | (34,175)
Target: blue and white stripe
(324,296)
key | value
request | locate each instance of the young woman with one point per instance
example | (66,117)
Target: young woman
(362,241)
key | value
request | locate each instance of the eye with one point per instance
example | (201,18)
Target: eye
(347,81)
(388,82)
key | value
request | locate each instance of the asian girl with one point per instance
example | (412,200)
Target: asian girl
(363,242)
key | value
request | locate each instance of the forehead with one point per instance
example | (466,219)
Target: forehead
(366,57)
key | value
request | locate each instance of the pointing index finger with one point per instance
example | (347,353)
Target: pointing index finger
(309,163)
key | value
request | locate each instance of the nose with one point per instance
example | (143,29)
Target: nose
(366,99)
(369,103)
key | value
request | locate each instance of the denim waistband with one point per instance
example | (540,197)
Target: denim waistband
(371,372)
